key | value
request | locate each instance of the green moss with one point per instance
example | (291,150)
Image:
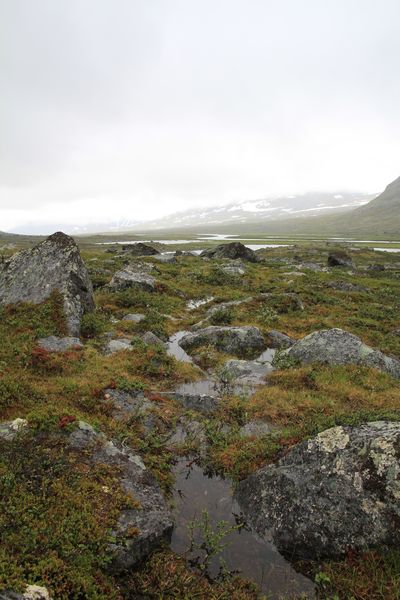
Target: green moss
(57,515)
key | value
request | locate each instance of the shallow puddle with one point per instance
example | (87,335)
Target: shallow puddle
(174,349)
(245,552)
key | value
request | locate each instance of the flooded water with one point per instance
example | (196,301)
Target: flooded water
(174,349)
(245,552)
(387,250)
(267,356)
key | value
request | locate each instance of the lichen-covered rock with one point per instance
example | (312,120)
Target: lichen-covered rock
(168,259)
(10,429)
(232,250)
(346,286)
(339,258)
(126,404)
(57,344)
(234,268)
(338,347)
(152,339)
(250,372)
(134,317)
(140,249)
(279,340)
(53,265)
(240,341)
(140,529)
(118,345)
(337,491)
(255,429)
(227,305)
(32,592)
(129,277)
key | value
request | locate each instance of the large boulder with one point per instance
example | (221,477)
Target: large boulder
(140,249)
(233,251)
(129,277)
(53,265)
(338,347)
(141,528)
(337,491)
(240,341)
(277,339)
(339,258)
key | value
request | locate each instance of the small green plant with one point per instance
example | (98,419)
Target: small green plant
(209,541)
(129,385)
(93,324)
(267,315)
(284,361)
(322,577)
(222,316)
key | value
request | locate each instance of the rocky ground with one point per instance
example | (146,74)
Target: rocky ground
(277,370)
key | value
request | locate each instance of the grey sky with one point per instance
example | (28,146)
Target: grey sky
(136,108)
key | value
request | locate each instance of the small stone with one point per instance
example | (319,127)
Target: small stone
(134,318)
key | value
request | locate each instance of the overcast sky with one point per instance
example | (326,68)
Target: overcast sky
(136,108)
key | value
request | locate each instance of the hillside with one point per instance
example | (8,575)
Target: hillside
(377,218)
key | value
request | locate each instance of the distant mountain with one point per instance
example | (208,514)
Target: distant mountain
(382,213)
(335,215)
(263,210)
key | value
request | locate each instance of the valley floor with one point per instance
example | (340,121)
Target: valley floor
(57,513)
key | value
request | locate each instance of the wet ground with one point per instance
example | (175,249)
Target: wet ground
(194,492)
(245,552)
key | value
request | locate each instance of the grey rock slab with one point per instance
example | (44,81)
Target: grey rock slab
(338,347)
(246,371)
(279,340)
(346,286)
(127,404)
(227,305)
(338,490)
(152,339)
(53,265)
(245,341)
(134,317)
(255,429)
(152,521)
(10,429)
(129,278)
(32,592)
(168,259)
(117,346)
(57,344)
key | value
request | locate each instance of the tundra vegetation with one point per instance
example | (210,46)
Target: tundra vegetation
(57,513)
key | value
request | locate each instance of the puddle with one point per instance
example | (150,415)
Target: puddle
(193,304)
(174,349)
(267,356)
(245,552)
(393,250)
